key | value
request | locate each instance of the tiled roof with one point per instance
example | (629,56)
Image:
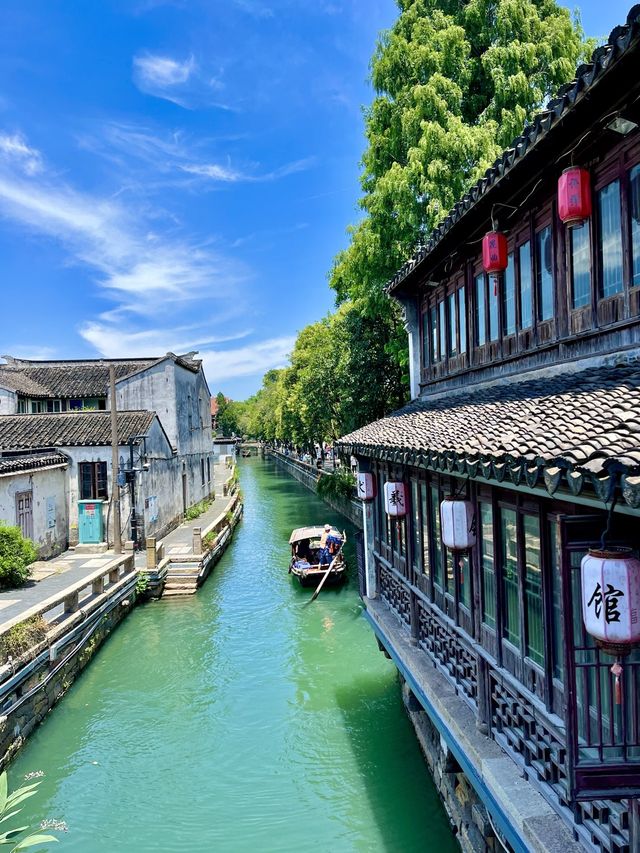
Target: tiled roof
(65,379)
(571,430)
(621,40)
(31,462)
(69,429)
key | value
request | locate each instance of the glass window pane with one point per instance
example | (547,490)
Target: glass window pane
(434,334)
(494,329)
(533,589)
(425,339)
(436,539)
(509,543)
(634,205)
(463,565)
(556,593)
(524,257)
(544,276)
(509,296)
(581,266)
(424,496)
(480,311)
(610,239)
(488,566)
(462,317)
(443,329)
(453,330)
(416,527)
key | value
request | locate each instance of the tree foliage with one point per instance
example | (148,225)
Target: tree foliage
(455,82)
(16,555)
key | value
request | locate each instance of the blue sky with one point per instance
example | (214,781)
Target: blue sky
(178,174)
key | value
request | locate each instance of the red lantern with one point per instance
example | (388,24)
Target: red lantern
(494,252)
(574,196)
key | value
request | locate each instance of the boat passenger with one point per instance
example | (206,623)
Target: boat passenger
(303,551)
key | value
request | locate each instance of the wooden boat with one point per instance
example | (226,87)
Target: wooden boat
(308,570)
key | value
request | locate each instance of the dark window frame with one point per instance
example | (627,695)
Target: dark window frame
(94,475)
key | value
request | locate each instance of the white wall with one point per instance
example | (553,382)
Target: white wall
(8,402)
(49,506)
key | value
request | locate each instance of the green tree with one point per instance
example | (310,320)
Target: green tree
(455,82)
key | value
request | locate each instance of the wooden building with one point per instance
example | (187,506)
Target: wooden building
(526,402)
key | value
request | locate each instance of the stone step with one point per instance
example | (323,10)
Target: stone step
(169,593)
(192,578)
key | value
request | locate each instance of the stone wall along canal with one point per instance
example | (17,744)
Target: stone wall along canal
(240,719)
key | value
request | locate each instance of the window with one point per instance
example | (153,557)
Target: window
(424,500)
(544,274)
(462,313)
(481,332)
(533,589)
(93,480)
(509,297)
(463,565)
(437,539)
(509,543)
(434,334)
(494,328)
(580,266)
(453,326)
(634,206)
(610,246)
(425,338)
(208,470)
(524,259)
(416,527)
(487,566)
(556,596)
(202,471)
(443,329)
(75,405)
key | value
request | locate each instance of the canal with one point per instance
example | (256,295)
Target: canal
(240,719)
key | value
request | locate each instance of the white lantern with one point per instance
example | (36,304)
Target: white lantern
(395,499)
(611,596)
(458,524)
(366,487)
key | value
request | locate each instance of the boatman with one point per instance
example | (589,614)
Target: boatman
(325,557)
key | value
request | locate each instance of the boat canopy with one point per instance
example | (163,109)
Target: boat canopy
(311,533)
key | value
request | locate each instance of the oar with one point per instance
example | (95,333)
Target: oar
(326,575)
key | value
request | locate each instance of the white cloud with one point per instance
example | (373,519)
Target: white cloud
(14,150)
(216,172)
(138,344)
(163,76)
(162,70)
(252,360)
(142,275)
(34,353)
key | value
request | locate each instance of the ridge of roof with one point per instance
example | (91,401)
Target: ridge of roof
(603,59)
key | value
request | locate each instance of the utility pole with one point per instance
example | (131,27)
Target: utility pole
(115,464)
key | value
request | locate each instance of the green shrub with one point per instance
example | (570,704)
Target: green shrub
(340,484)
(22,637)
(209,540)
(197,509)
(16,555)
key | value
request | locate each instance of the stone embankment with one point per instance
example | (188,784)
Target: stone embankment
(309,475)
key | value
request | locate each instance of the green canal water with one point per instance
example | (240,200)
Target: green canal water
(239,719)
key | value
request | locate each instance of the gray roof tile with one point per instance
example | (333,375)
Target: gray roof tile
(69,429)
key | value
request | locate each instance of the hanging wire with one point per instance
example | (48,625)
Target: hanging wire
(607,530)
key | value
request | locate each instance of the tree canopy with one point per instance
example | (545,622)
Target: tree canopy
(455,82)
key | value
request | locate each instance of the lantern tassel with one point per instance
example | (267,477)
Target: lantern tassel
(616,671)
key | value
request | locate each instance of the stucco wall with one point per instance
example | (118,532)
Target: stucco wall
(8,402)
(49,506)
